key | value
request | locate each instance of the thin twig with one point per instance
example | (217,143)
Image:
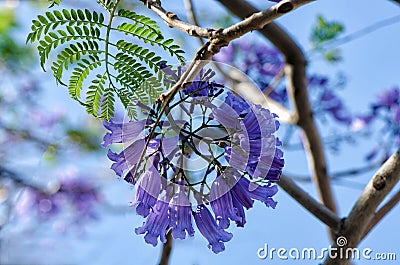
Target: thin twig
(16,178)
(340,174)
(360,33)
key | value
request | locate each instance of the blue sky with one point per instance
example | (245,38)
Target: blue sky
(370,64)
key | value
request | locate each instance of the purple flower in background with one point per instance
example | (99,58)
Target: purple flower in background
(361,122)
(332,104)
(264,65)
(260,62)
(317,80)
(36,200)
(386,110)
(396,113)
(80,194)
(388,98)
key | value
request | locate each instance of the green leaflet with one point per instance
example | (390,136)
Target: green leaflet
(98,69)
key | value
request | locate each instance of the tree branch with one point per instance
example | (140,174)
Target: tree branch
(9,174)
(222,37)
(295,73)
(172,20)
(355,226)
(317,209)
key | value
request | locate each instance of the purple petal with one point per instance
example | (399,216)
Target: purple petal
(221,203)
(149,185)
(180,215)
(236,103)
(260,193)
(156,224)
(227,116)
(209,229)
(240,192)
(122,132)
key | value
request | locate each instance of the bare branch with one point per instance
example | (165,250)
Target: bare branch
(221,38)
(317,209)
(378,216)
(172,20)
(362,213)
(295,73)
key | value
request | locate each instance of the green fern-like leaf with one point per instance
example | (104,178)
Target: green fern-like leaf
(75,52)
(94,94)
(88,61)
(142,54)
(80,73)
(107,104)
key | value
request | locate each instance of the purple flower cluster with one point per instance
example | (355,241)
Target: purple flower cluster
(243,163)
